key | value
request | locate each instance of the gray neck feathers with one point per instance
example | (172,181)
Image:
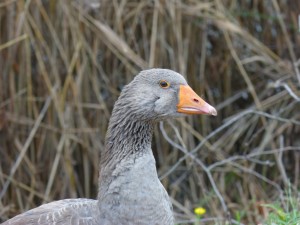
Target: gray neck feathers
(128,138)
(129,135)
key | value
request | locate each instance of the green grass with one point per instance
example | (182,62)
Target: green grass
(284,212)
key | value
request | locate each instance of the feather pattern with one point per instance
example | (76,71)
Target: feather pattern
(67,211)
(129,189)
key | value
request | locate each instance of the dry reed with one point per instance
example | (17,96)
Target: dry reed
(63,64)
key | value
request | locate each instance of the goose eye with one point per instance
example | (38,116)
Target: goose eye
(164,84)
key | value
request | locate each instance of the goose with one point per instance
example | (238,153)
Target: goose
(129,191)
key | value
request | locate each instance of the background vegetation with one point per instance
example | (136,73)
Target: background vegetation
(63,64)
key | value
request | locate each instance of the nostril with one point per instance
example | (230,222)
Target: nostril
(195,100)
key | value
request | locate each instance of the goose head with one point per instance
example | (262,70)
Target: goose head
(156,94)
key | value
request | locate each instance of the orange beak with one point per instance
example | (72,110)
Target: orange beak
(191,103)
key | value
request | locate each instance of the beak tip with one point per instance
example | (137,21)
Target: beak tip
(213,111)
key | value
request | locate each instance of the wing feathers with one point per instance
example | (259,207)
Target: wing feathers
(63,212)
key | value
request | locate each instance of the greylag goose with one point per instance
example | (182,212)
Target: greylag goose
(129,189)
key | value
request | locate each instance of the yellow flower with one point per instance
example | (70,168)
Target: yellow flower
(199,211)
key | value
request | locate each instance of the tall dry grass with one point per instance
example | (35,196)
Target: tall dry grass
(63,64)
